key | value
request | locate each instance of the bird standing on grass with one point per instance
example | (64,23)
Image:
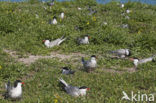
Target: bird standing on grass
(67,71)
(91,64)
(53,43)
(13,92)
(73,90)
(84,40)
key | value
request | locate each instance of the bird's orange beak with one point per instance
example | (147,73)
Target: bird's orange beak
(131,59)
(43,41)
(88,88)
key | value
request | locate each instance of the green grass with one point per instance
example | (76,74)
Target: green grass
(21,31)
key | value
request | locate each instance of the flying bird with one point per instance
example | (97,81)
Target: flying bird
(67,71)
(84,40)
(74,90)
(53,43)
(13,92)
(89,65)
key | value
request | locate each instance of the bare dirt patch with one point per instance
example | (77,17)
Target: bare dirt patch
(32,58)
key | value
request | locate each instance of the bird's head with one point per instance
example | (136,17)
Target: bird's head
(87,37)
(46,41)
(84,88)
(18,83)
(65,68)
(93,57)
(134,60)
(54,17)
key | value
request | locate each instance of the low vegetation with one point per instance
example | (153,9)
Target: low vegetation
(23,26)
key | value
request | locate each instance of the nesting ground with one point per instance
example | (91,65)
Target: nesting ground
(23,56)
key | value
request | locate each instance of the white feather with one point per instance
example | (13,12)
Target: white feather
(62,81)
(54,21)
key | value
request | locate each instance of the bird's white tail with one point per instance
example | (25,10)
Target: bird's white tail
(111,52)
(61,41)
(8,85)
(63,82)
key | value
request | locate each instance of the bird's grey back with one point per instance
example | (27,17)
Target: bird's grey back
(89,64)
(80,40)
(145,60)
(54,42)
(72,90)
(121,51)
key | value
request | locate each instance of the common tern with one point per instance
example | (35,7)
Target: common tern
(137,61)
(53,43)
(84,40)
(54,20)
(91,64)
(67,71)
(122,53)
(13,92)
(74,90)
